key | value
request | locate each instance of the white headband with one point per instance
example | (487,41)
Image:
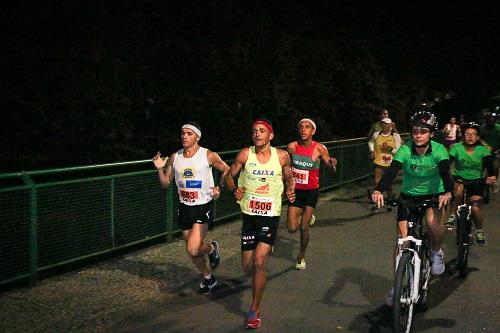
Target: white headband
(309,120)
(193,128)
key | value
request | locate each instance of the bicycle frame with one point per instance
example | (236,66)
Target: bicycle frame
(416,260)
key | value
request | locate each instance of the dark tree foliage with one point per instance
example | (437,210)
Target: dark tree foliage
(98,82)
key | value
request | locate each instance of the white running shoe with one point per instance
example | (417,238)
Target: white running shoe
(312,220)
(437,259)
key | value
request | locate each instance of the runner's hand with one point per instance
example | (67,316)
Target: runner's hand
(378,198)
(491,180)
(238,194)
(444,199)
(290,194)
(215,193)
(159,161)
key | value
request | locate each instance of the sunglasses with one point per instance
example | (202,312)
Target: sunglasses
(420,131)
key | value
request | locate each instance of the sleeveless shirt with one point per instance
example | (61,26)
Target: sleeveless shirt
(305,170)
(193,177)
(263,185)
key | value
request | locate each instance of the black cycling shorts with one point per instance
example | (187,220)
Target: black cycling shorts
(188,215)
(403,211)
(306,198)
(475,188)
(257,229)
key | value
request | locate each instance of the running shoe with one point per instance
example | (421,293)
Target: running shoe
(437,259)
(301,264)
(450,222)
(480,239)
(312,220)
(214,257)
(207,284)
(252,320)
(389,298)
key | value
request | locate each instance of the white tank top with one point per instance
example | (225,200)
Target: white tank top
(193,177)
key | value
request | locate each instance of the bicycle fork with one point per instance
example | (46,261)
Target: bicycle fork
(416,265)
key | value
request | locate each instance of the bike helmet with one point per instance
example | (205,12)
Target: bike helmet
(424,119)
(473,125)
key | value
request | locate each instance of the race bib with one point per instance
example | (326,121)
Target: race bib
(386,159)
(189,196)
(260,206)
(300,176)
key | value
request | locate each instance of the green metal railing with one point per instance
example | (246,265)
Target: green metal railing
(53,217)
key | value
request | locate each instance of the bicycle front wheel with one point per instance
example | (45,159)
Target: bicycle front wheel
(463,241)
(403,292)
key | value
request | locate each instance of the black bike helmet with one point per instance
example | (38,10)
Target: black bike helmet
(473,125)
(424,119)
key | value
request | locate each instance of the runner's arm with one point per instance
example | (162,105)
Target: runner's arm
(444,173)
(234,170)
(287,174)
(331,162)
(389,174)
(165,169)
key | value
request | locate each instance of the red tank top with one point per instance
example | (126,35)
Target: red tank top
(305,170)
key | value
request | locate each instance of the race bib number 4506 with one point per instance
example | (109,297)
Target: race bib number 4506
(300,176)
(260,206)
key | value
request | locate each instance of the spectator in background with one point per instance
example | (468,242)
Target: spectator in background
(377,126)
(451,132)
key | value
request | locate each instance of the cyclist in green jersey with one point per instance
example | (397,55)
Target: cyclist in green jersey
(490,138)
(469,159)
(426,174)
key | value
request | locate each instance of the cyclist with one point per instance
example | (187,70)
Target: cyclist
(383,146)
(426,174)
(470,159)
(490,137)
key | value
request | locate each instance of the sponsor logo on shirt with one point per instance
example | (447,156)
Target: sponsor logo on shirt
(263,189)
(188,173)
(263,172)
(193,183)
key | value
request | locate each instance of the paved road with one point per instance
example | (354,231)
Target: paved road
(349,271)
(342,290)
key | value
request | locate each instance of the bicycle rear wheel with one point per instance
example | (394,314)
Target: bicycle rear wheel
(403,292)
(463,242)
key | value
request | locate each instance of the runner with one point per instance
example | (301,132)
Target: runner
(470,159)
(383,146)
(305,154)
(259,193)
(192,167)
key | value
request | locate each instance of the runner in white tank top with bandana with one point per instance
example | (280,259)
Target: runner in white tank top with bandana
(191,167)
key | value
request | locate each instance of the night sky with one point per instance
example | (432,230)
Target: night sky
(69,66)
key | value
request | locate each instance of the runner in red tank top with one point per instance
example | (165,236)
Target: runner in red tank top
(306,156)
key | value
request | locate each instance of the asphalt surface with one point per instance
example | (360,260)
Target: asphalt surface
(349,270)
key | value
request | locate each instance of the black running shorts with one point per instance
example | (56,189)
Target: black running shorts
(188,215)
(257,229)
(305,198)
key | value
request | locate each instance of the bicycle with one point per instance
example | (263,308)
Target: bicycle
(464,228)
(413,265)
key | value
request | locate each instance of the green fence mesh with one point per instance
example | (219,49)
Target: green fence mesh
(68,214)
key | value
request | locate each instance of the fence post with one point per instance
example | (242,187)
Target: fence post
(170,212)
(112,213)
(33,255)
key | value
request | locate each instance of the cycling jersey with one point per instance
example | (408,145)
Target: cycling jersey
(468,166)
(421,172)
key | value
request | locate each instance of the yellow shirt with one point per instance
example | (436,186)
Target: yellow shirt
(263,185)
(385,147)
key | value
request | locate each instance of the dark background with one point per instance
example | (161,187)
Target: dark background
(88,82)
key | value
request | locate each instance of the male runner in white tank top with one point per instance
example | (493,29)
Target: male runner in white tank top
(191,167)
